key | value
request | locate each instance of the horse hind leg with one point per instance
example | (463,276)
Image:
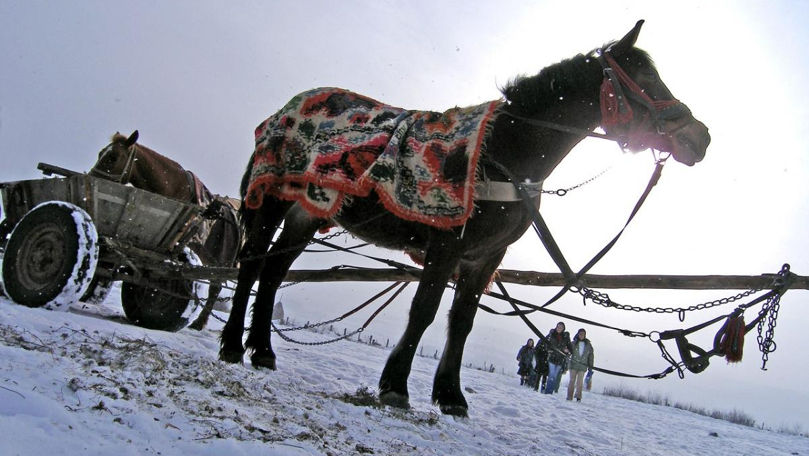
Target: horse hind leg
(472,281)
(214,288)
(260,226)
(221,248)
(299,228)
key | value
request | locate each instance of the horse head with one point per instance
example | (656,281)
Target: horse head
(638,108)
(115,161)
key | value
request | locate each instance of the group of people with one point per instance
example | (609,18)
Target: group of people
(541,367)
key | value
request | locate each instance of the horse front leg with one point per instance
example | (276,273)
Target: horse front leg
(440,263)
(472,281)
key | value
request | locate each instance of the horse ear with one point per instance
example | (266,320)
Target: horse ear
(627,41)
(132,139)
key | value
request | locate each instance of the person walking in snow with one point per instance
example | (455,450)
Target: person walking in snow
(558,342)
(525,360)
(541,367)
(581,361)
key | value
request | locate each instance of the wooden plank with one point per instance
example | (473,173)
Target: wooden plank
(646,281)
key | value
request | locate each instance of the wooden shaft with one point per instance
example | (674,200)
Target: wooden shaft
(646,281)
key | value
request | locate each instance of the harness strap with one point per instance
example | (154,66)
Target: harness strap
(544,233)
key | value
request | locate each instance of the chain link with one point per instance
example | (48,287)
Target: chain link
(603,299)
(281,334)
(765,339)
(564,191)
(293,247)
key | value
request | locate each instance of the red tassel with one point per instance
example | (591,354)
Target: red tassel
(732,343)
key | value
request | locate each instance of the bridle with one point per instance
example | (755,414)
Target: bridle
(616,110)
(126,172)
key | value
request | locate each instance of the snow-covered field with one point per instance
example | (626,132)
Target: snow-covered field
(86,382)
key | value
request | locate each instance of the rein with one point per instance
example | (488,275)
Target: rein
(544,233)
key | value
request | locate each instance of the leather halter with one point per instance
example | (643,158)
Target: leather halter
(615,108)
(614,104)
(126,172)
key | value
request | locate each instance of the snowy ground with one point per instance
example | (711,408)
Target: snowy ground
(86,382)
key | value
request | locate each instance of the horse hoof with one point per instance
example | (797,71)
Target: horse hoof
(263,361)
(394,399)
(460,411)
(232,357)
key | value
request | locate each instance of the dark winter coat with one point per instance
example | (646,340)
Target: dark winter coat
(583,361)
(525,358)
(557,343)
(541,358)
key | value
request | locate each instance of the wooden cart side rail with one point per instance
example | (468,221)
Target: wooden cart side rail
(646,281)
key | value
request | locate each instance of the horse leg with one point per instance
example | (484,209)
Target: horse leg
(440,263)
(474,277)
(223,243)
(260,226)
(299,228)
(202,319)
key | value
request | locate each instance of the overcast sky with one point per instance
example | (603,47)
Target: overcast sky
(196,77)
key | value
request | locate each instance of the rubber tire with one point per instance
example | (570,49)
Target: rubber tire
(51,256)
(152,308)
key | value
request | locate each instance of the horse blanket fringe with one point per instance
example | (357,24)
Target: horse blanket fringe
(328,144)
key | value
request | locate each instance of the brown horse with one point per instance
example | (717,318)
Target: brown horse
(541,119)
(127,162)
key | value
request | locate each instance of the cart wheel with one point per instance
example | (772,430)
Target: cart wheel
(51,256)
(169,306)
(5,229)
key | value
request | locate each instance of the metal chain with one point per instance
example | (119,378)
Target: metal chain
(564,191)
(766,342)
(603,299)
(293,247)
(323,342)
(308,326)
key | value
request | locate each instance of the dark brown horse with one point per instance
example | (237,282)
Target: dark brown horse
(616,87)
(127,162)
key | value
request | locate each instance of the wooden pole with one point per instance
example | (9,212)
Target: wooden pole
(542,279)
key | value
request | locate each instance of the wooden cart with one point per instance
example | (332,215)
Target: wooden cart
(66,239)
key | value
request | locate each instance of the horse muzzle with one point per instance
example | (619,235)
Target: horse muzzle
(689,143)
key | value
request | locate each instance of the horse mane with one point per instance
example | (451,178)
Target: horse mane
(569,78)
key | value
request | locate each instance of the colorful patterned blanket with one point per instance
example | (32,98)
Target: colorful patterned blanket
(328,143)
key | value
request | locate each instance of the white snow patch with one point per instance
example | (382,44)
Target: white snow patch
(84,383)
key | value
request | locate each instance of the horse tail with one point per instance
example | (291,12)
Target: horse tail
(242,212)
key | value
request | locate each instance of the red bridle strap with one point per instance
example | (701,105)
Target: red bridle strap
(615,110)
